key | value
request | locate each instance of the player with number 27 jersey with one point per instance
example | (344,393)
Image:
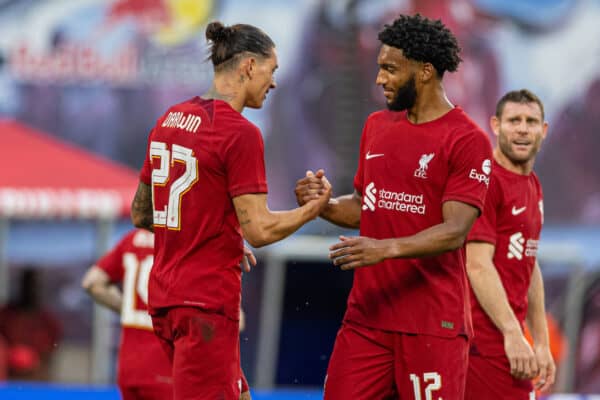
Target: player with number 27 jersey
(201,154)
(143,365)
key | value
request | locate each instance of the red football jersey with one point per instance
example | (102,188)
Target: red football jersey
(405,173)
(142,361)
(512,221)
(201,154)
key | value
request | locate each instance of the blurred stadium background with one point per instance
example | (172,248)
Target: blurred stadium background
(82,83)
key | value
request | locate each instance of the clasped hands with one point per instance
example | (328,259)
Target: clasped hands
(350,252)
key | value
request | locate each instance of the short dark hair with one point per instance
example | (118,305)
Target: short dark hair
(425,40)
(518,96)
(229,41)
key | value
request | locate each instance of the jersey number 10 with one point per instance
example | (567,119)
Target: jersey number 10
(135,283)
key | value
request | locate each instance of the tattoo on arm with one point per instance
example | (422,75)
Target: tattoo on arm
(141,208)
(243,217)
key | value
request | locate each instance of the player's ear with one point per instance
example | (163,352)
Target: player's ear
(544,130)
(245,68)
(495,125)
(427,72)
(250,67)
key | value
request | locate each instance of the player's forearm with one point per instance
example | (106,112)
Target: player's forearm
(429,242)
(536,311)
(106,295)
(273,226)
(142,213)
(492,297)
(343,211)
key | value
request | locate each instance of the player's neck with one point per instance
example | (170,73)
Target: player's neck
(227,89)
(431,104)
(507,163)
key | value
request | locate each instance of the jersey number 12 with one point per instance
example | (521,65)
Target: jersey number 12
(433,380)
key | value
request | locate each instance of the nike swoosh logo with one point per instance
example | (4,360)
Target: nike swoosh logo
(369,155)
(517,211)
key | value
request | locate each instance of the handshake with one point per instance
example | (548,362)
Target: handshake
(350,252)
(314,192)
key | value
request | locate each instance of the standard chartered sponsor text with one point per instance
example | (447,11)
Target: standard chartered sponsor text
(401,201)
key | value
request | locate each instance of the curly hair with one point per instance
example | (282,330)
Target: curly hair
(425,40)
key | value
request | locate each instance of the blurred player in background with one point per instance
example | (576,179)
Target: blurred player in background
(506,281)
(144,372)
(421,182)
(201,187)
(31,330)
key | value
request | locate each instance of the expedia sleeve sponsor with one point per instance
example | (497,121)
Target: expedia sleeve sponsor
(486,167)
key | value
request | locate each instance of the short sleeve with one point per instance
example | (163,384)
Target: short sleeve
(245,163)
(470,166)
(538,186)
(485,227)
(359,176)
(112,262)
(146,170)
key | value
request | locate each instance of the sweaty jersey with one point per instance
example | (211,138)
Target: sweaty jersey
(511,221)
(201,154)
(142,361)
(405,173)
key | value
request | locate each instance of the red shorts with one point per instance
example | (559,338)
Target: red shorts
(147,392)
(490,378)
(372,364)
(204,350)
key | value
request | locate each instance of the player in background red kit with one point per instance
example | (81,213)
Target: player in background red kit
(201,187)
(144,372)
(421,182)
(507,286)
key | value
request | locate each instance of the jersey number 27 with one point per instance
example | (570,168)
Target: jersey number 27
(170,215)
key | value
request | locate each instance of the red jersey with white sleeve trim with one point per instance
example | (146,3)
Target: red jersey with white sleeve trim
(511,221)
(201,154)
(142,361)
(405,173)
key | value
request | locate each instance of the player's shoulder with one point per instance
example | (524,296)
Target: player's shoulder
(379,114)
(498,181)
(385,115)
(225,118)
(175,113)
(205,108)
(142,238)
(239,126)
(536,181)
(137,238)
(186,105)
(380,118)
(463,125)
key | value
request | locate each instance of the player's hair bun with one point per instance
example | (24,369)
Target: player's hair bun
(217,32)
